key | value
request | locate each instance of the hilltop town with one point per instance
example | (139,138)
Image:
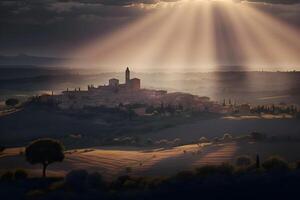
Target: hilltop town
(129,93)
(146,101)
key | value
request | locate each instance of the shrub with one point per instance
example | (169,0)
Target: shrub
(203,140)
(130,184)
(20,174)
(243,161)
(162,142)
(225,168)
(243,138)
(227,137)
(275,163)
(118,183)
(122,179)
(257,136)
(176,141)
(11,102)
(215,139)
(95,180)
(76,179)
(7,176)
(208,170)
(149,142)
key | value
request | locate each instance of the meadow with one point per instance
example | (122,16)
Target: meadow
(116,161)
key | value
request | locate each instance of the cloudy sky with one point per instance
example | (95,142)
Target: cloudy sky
(55,27)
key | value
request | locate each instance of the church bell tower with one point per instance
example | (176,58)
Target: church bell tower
(127,76)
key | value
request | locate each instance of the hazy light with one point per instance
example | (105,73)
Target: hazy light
(198,35)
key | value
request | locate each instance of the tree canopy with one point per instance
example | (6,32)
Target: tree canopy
(45,152)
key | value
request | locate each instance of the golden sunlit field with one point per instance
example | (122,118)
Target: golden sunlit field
(115,161)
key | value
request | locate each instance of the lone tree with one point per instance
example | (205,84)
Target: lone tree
(45,152)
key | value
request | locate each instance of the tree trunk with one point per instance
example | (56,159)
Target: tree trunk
(44,170)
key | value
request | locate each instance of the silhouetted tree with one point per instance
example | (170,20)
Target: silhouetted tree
(257,162)
(45,152)
(224,102)
(275,163)
(131,113)
(11,102)
(162,109)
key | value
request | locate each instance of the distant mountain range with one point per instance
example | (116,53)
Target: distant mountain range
(23,60)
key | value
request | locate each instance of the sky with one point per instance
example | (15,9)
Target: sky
(125,30)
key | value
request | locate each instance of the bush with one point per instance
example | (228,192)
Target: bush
(130,184)
(215,139)
(162,142)
(225,168)
(208,170)
(203,140)
(243,138)
(20,174)
(149,142)
(243,161)
(7,176)
(11,102)
(76,179)
(95,180)
(227,137)
(275,163)
(119,182)
(176,141)
(258,136)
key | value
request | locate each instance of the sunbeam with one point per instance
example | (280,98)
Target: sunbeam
(198,35)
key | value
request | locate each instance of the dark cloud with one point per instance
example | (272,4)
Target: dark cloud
(54,26)
(276,1)
(43,27)
(127,2)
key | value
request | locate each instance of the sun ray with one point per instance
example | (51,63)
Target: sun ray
(197,35)
(280,52)
(105,49)
(152,50)
(204,47)
(245,42)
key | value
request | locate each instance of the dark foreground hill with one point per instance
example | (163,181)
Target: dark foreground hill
(208,184)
